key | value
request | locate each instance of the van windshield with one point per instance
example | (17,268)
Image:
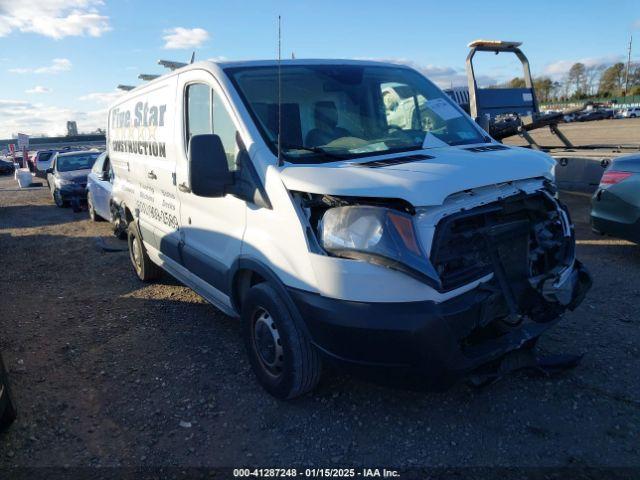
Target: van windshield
(334,112)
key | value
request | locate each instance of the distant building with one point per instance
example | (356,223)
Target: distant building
(72,129)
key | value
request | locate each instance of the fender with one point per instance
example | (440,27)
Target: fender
(247,262)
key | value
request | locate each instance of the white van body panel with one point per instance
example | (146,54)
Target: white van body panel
(276,237)
(395,264)
(425,182)
(143,157)
(211,229)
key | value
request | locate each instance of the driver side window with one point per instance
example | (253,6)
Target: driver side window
(205,114)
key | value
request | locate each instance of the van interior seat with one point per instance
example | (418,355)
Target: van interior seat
(326,120)
(291,123)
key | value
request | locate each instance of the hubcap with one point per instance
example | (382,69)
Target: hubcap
(268,343)
(136,253)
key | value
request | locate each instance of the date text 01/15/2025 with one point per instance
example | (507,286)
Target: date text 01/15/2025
(315,473)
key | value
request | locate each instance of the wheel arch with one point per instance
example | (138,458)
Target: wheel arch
(245,273)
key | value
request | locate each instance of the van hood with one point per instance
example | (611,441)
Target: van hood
(423,182)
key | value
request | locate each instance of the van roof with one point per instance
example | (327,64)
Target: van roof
(213,66)
(303,61)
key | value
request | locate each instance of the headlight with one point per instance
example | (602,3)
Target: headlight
(378,235)
(62,182)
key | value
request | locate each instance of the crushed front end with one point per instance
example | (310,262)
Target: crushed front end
(503,257)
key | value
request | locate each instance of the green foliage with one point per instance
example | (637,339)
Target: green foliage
(612,80)
(583,83)
(544,87)
(516,82)
(577,77)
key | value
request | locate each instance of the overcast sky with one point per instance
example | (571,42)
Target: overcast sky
(62,59)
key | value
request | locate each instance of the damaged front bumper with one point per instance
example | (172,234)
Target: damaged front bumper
(432,343)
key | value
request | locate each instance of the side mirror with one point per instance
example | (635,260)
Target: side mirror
(209,174)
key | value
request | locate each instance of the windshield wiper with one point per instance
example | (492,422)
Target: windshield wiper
(314,150)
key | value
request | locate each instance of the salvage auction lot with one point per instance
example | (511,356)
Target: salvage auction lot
(110,371)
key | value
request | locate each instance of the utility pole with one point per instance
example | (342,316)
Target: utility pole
(626,79)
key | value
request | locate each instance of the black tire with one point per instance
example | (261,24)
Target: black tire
(8,411)
(57,198)
(92,211)
(145,269)
(284,360)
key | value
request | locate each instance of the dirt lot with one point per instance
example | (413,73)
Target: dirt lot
(617,131)
(109,371)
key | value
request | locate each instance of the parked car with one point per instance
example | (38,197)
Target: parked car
(615,207)
(419,248)
(6,166)
(631,112)
(42,160)
(67,176)
(99,188)
(595,115)
(7,408)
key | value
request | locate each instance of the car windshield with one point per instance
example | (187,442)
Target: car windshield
(44,156)
(81,161)
(346,111)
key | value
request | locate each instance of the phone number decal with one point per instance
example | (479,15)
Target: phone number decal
(162,216)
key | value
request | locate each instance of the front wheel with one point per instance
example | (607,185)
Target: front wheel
(92,211)
(145,269)
(57,198)
(284,360)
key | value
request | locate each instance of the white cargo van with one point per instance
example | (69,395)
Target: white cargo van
(342,224)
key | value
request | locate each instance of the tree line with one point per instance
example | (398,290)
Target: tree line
(583,82)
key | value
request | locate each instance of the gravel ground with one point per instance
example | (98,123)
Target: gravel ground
(108,371)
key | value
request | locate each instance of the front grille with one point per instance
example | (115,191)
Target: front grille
(524,232)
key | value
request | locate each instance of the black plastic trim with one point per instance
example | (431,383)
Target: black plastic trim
(394,161)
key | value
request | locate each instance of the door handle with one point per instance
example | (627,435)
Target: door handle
(183,188)
(152,175)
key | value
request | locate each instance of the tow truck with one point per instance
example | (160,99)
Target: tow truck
(508,112)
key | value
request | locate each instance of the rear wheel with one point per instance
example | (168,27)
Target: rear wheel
(284,360)
(145,269)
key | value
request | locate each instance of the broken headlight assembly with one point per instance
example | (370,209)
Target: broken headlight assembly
(379,235)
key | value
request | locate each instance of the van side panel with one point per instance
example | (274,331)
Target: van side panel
(142,152)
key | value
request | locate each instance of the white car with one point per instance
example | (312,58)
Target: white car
(631,112)
(339,226)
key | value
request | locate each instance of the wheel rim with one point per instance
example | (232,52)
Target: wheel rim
(136,253)
(267,343)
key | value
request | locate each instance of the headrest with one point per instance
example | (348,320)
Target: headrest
(326,114)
